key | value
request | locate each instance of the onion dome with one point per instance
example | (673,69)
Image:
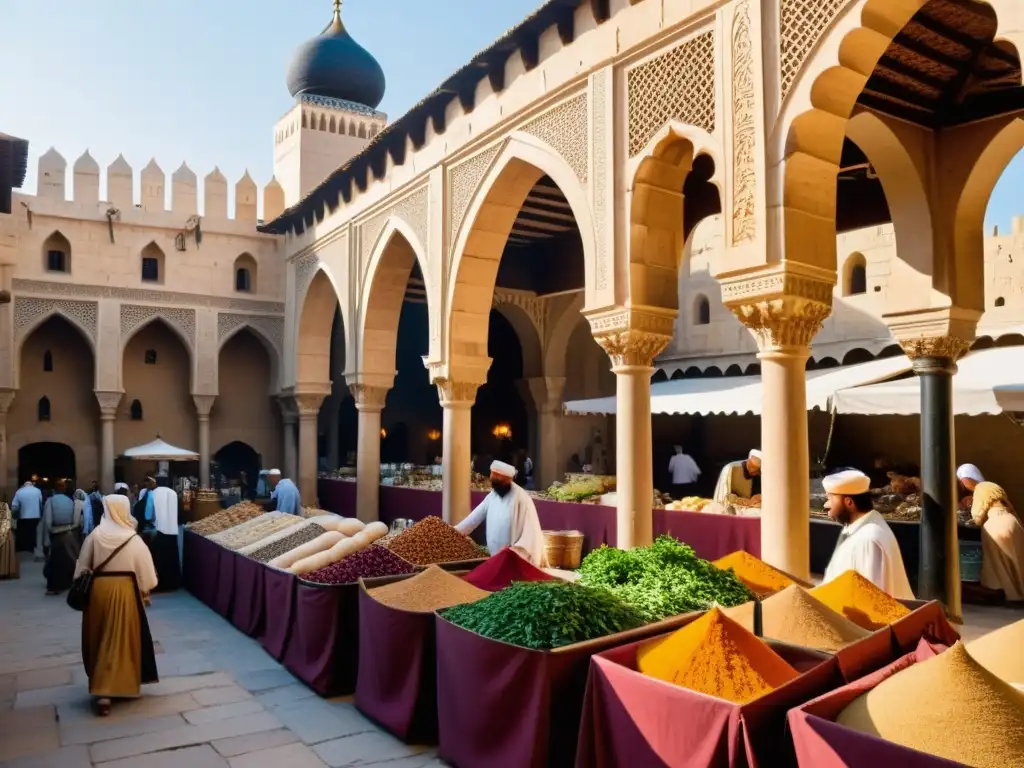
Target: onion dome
(336,66)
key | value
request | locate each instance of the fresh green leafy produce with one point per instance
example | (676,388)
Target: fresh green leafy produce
(545,614)
(662,580)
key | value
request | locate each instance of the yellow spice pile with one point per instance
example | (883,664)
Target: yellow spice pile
(1002,652)
(428,591)
(795,617)
(716,656)
(860,601)
(756,575)
(949,706)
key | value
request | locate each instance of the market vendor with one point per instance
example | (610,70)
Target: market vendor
(685,473)
(967,478)
(510,515)
(284,495)
(740,478)
(866,544)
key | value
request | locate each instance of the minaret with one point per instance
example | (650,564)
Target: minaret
(337,87)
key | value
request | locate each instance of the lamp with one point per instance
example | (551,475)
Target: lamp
(433,435)
(383,433)
(502,432)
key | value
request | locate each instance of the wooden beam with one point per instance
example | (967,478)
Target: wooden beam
(529,49)
(601,10)
(496,72)
(566,24)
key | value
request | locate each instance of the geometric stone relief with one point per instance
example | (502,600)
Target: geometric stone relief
(272,328)
(412,209)
(463,181)
(744,133)
(28,311)
(678,85)
(801,24)
(133,316)
(533,305)
(600,186)
(305,268)
(564,129)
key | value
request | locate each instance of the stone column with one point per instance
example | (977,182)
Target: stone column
(784,308)
(308,407)
(456,402)
(289,418)
(333,406)
(546,395)
(204,404)
(369,403)
(109,401)
(6,487)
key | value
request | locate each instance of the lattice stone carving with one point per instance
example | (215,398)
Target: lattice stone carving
(131,295)
(678,85)
(412,209)
(28,312)
(463,181)
(305,268)
(533,305)
(801,24)
(599,152)
(744,130)
(134,316)
(564,129)
(272,328)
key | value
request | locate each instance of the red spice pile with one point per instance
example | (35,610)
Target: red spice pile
(503,569)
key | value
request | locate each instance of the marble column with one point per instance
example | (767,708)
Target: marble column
(457,400)
(6,486)
(307,405)
(204,404)
(545,393)
(289,419)
(109,401)
(369,403)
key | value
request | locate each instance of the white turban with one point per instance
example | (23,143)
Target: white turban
(969,472)
(850,482)
(275,473)
(120,487)
(754,454)
(503,469)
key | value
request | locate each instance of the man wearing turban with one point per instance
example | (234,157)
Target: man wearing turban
(511,517)
(740,478)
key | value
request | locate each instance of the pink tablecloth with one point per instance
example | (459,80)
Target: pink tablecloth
(337,496)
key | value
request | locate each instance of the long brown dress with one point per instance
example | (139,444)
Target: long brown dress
(1002,541)
(9,566)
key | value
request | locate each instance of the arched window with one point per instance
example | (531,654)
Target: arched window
(362,130)
(44,408)
(332,126)
(701,311)
(152,264)
(243,280)
(136,410)
(304,119)
(1000,301)
(856,276)
(245,274)
(150,357)
(57,254)
(351,129)
(323,123)
(48,361)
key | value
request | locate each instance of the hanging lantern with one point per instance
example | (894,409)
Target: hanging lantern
(434,435)
(502,432)
(383,433)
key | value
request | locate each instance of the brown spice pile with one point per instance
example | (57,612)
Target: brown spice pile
(431,541)
(288,543)
(228,518)
(795,617)
(860,601)
(948,706)
(1002,652)
(428,591)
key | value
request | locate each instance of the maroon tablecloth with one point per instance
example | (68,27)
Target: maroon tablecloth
(630,719)
(225,592)
(927,621)
(247,614)
(200,567)
(501,706)
(323,638)
(337,496)
(278,611)
(711,536)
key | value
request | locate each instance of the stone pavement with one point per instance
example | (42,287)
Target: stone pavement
(221,700)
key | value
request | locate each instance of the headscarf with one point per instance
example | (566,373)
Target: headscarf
(969,472)
(82,506)
(117,513)
(986,497)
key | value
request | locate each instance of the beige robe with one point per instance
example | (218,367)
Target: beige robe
(732,480)
(134,558)
(1002,548)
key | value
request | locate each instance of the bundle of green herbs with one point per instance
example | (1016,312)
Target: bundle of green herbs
(665,579)
(545,614)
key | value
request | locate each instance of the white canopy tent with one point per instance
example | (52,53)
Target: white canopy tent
(158,450)
(989,381)
(741,395)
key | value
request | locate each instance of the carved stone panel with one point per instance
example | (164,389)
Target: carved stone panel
(272,328)
(305,268)
(133,316)
(564,129)
(463,181)
(744,130)
(534,306)
(412,209)
(801,25)
(599,153)
(28,312)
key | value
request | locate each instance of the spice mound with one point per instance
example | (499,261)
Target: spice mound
(715,656)
(426,592)
(432,541)
(503,569)
(948,706)
(369,563)
(1000,652)
(251,532)
(795,617)
(227,518)
(284,545)
(759,577)
(545,614)
(860,601)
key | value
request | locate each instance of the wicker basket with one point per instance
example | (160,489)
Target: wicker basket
(563,549)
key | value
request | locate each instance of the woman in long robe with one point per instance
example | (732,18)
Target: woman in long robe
(62,519)
(117,648)
(1002,541)
(9,566)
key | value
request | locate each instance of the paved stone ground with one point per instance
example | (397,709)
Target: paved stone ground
(221,700)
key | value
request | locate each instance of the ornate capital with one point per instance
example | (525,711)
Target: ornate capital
(307,404)
(108,403)
(204,404)
(633,336)
(456,393)
(6,398)
(935,355)
(633,349)
(934,339)
(369,398)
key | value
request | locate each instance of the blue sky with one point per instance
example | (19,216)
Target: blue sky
(204,80)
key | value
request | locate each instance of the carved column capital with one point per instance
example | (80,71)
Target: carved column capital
(307,404)
(633,349)
(109,401)
(935,338)
(633,336)
(935,355)
(369,398)
(456,394)
(204,404)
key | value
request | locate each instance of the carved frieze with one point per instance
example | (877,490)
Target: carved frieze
(164,298)
(564,129)
(412,209)
(744,130)
(463,181)
(30,311)
(133,316)
(599,153)
(271,328)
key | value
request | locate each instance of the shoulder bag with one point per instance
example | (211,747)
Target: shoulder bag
(78,595)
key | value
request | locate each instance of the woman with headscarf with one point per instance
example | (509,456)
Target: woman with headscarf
(62,518)
(117,648)
(1002,541)
(9,566)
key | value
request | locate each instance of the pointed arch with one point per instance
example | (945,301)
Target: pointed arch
(558,338)
(57,253)
(332,125)
(271,346)
(26,333)
(528,335)
(313,331)
(187,343)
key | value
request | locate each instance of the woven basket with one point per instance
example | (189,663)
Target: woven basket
(563,549)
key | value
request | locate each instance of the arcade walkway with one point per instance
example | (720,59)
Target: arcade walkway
(221,700)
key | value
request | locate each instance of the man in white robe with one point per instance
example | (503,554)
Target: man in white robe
(511,517)
(866,544)
(737,478)
(164,546)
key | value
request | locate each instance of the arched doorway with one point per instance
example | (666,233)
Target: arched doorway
(236,458)
(499,402)
(246,410)
(52,461)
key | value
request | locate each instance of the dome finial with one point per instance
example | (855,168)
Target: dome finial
(337,9)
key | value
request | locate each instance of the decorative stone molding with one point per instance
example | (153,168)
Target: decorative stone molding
(307,404)
(744,130)
(678,85)
(599,154)
(305,268)
(783,308)
(946,348)
(633,349)
(204,404)
(453,394)
(660,322)
(109,401)
(412,209)
(163,298)
(272,328)
(564,129)
(29,312)
(801,25)
(133,316)
(369,398)
(533,305)
(463,181)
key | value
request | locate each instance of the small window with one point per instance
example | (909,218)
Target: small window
(44,409)
(57,253)
(56,261)
(243,280)
(150,269)
(702,311)
(858,280)
(1000,302)
(150,357)
(48,361)
(136,410)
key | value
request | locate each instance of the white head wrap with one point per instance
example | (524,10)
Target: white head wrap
(969,472)
(754,454)
(503,469)
(275,472)
(120,487)
(850,482)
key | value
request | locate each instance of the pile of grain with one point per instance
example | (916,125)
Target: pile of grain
(715,656)
(370,563)
(948,706)
(756,575)
(432,541)
(228,518)
(860,601)
(245,526)
(795,617)
(426,592)
(314,512)
(284,545)
(1002,652)
(297,524)
(236,538)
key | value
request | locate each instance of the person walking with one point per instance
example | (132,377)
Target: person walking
(61,523)
(9,565)
(27,506)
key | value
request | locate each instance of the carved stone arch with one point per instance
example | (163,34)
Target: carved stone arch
(560,331)
(314,322)
(269,330)
(30,313)
(480,241)
(181,322)
(529,333)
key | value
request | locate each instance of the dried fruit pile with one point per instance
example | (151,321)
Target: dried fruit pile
(370,563)
(288,543)
(426,592)
(432,541)
(228,518)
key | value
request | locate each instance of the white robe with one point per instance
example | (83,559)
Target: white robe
(512,521)
(733,480)
(165,511)
(871,549)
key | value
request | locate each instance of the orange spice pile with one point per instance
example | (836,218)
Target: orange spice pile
(756,575)
(860,601)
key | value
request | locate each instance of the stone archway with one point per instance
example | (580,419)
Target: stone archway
(246,410)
